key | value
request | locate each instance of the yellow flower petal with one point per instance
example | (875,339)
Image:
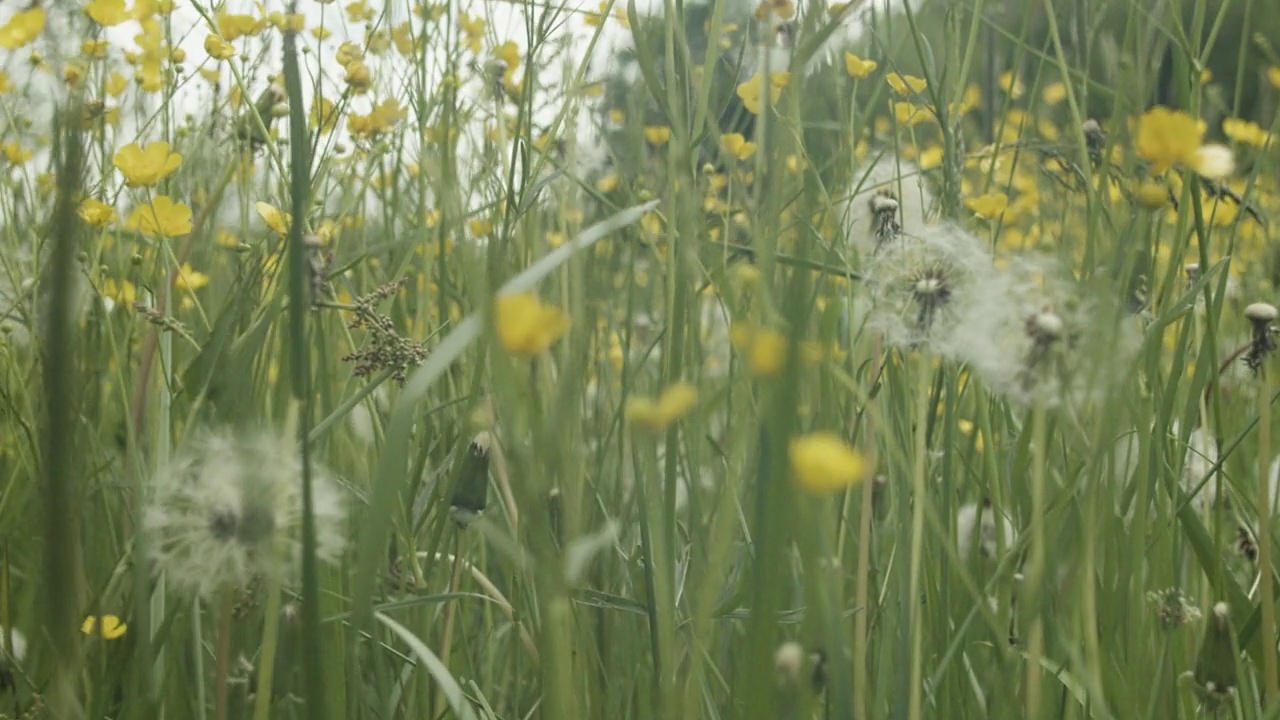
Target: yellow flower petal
(526,327)
(857,67)
(823,463)
(110,628)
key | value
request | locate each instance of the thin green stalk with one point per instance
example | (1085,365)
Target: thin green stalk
(222,675)
(919,496)
(861,639)
(267,658)
(1036,569)
(1266,589)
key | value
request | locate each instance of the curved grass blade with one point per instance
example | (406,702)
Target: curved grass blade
(452,691)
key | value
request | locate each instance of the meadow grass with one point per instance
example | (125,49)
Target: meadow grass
(771,370)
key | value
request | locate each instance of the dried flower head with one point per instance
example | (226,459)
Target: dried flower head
(228,509)
(1173,608)
(387,348)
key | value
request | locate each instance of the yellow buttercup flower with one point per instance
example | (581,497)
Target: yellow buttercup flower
(358,77)
(24,27)
(526,327)
(274,218)
(906,84)
(1167,137)
(751,91)
(857,67)
(657,135)
(989,206)
(765,350)
(189,279)
(674,403)
(823,463)
(737,146)
(1054,93)
(1010,83)
(1273,74)
(1244,131)
(1152,195)
(107,12)
(910,114)
(472,31)
(110,627)
(96,213)
(218,48)
(233,27)
(162,217)
(121,293)
(146,167)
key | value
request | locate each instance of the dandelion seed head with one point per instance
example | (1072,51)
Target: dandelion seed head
(917,283)
(876,188)
(788,660)
(1200,457)
(228,509)
(1260,312)
(1037,335)
(981,522)
(19,649)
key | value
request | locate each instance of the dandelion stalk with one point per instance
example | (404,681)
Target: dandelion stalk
(225,603)
(1036,570)
(267,657)
(919,498)
(1266,589)
(861,639)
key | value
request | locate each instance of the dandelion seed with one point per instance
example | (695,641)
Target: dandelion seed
(228,509)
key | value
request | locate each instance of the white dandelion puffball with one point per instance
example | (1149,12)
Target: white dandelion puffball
(886,175)
(19,650)
(989,537)
(228,510)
